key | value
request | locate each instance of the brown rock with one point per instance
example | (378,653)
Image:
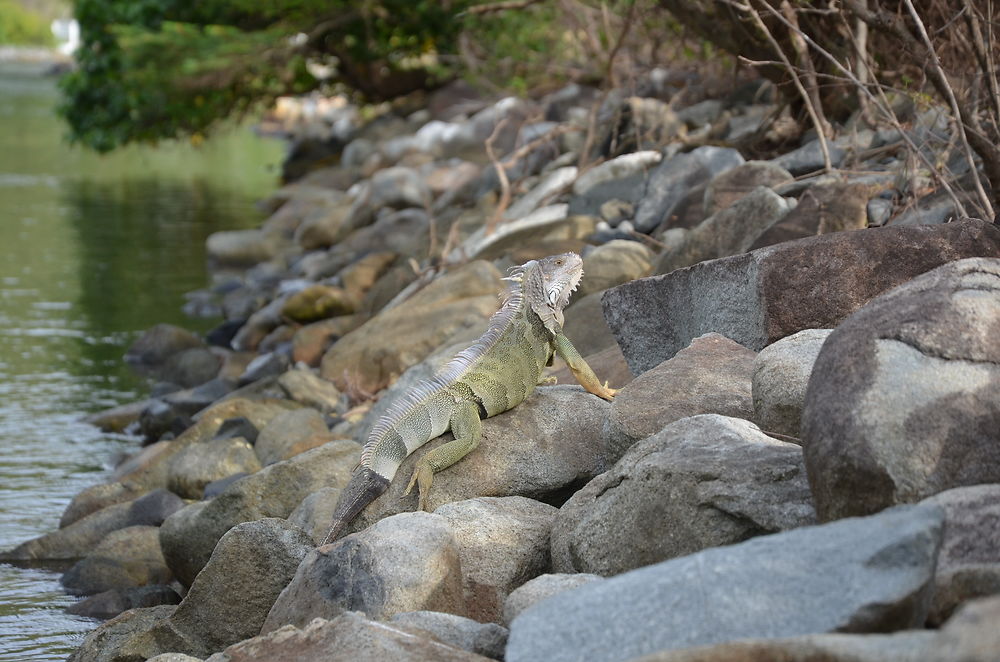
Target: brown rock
(317,302)
(823,208)
(713,375)
(772,292)
(311,341)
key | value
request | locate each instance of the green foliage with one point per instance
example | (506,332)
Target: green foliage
(153,69)
(19,26)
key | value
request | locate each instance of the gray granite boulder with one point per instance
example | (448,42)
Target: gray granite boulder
(709,376)
(112,641)
(291,433)
(772,292)
(189,535)
(540,588)
(782,585)
(727,232)
(969,563)
(197,465)
(732,185)
(669,182)
(126,558)
(701,482)
(409,562)
(902,402)
(486,639)
(349,637)
(228,601)
(780,377)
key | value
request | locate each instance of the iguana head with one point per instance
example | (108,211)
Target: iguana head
(547,285)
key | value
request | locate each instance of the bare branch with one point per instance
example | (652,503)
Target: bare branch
(504,201)
(960,114)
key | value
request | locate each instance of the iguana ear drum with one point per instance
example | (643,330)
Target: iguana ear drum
(365,487)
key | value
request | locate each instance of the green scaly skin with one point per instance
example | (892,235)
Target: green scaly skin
(495,374)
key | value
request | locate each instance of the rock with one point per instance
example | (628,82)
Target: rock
(95,497)
(189,536)
(727,232)
(149,469)
(310,342)
(968,565)
(540,588)
(670,181)
(126,558)
(317,302)
(410,562)
(189,368)
(708,480)
(161,342)
(782,585)
(228,601)
(711,376)
(349,637)
(259,325)
(555,183)
(502,543)
(174,657)
(543,449)
(291,433)
(486,639)
(325,227)
(243,248)
(78,539)
(374,355)
(111,603)
(734,184)
(780,376)
(544,224)
(315,513)
(773,292)
(609,364)
(908,646)
(585,327)
(970,636)
(237,427)
(614,263)
(617,168)
(116,419)
(197,465)
(701,113)
(870,443)
(310,390)
(824,207)
(111,642)
(809,158)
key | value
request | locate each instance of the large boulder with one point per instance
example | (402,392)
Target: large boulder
(902,402)
(374,355)
(112,641)
(782,585)
(189,535)
(543,449)
(229,600)
(969,563)
(410,562)
(772,292)
(197,465)
(463,559)
(780,377)
(710,376)
(824,207)
(705,480)
(349,637)
(290,433)
(727,232)
(126,558)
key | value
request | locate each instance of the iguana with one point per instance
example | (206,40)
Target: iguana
(494,374)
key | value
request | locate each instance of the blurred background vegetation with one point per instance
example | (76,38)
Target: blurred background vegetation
(154,69)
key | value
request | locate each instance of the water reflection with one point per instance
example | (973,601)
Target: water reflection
(93,250)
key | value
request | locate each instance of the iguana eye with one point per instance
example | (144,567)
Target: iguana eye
(559,262)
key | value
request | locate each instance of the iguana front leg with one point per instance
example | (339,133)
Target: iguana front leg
(583,373)
(468,430)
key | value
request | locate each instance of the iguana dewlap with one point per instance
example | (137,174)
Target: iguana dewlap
(495,374)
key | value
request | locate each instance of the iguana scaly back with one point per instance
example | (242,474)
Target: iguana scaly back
(495,374)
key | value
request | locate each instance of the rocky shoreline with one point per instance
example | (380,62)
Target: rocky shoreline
(803,460)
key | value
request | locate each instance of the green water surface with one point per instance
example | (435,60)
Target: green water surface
(93,250)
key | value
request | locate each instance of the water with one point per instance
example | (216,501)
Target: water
(93,250)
